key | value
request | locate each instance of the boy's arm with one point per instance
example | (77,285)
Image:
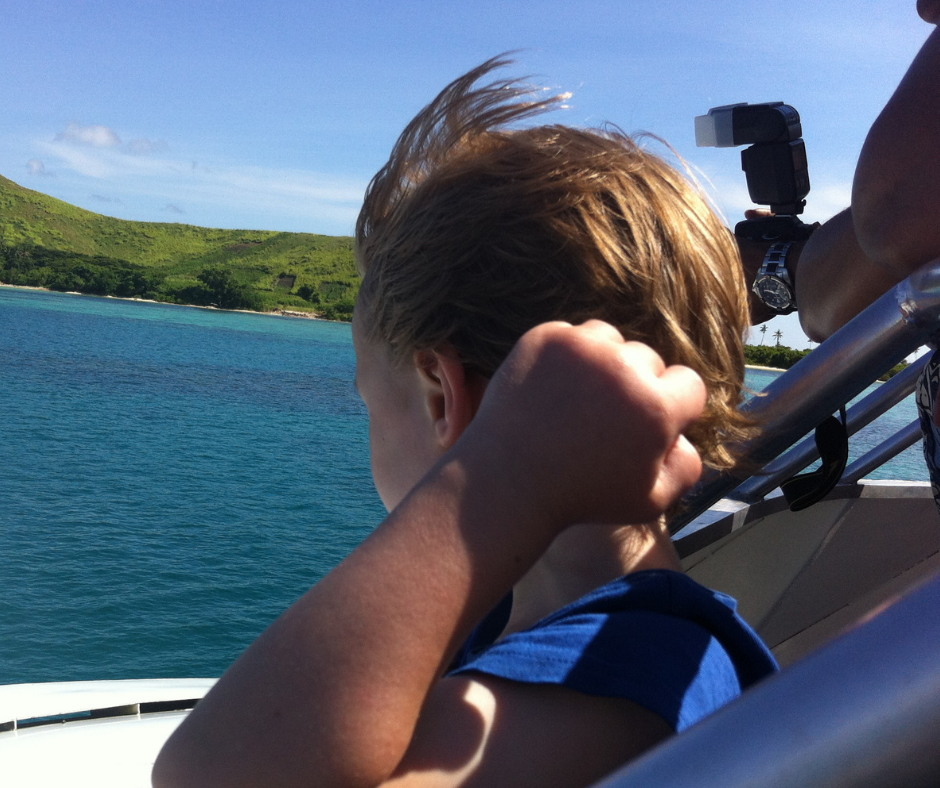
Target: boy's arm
(576,426)
(485,732)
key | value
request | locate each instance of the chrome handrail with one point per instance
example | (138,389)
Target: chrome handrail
(884,451)
(860,415)
(893,327)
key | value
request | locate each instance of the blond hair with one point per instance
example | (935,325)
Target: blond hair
(476,230)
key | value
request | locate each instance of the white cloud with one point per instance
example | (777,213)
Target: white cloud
(731,198)
(90,162)
(824,202)
(95,136)
(145,147)
(292,184)
(111,162)
(241,182)
(104,137)
(262,197)
(728,197)
(36,167)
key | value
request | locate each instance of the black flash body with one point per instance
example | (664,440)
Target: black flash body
(775,163)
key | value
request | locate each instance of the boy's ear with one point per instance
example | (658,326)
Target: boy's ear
(452,393)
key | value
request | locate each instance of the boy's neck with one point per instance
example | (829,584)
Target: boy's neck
(582,558)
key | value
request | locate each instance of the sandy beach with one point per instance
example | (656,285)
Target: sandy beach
(273,312)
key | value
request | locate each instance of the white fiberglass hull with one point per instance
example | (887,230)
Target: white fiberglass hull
(89,733)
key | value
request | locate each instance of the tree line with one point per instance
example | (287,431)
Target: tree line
(215,285)
(36,266)
(783,357)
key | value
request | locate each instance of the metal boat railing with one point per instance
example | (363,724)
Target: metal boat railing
(896,325)
(858,416)
(884,451)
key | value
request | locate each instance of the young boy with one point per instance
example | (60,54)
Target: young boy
(513,453)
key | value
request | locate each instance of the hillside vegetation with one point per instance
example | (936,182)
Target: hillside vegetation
(45,242)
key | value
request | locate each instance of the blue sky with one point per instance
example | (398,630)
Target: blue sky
(275,115)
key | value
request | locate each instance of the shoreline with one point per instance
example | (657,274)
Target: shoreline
(272,313)
(763,369)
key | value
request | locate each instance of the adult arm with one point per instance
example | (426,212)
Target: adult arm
(832,277)
(897,180)
(331,693)
(835,279)
(891,229)
(929,10)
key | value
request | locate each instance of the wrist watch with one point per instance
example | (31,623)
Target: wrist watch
(773,284)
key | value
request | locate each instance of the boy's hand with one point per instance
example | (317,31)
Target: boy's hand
(587,427)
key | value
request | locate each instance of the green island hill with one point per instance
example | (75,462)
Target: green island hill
(48,243)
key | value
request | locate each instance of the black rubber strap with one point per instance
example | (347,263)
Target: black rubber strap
(832,440)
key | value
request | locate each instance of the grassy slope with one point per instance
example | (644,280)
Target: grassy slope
(179,252)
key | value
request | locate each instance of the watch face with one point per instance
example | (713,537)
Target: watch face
(775,293)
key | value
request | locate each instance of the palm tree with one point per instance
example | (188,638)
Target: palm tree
(778,335)
(763,330)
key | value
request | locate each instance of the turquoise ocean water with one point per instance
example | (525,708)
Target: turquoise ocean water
(172,478)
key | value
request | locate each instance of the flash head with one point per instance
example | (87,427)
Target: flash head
(747,124)
(775,162)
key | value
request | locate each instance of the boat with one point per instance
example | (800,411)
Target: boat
(104,733)
(846,593)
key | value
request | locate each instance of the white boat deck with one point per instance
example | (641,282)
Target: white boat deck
(89,733)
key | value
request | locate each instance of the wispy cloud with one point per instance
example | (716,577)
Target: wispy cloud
(731,198)
(95,136)
(37,167)
(105,198)
(91,143)
(145,147)
(142,171)
(86,161)
(826,201)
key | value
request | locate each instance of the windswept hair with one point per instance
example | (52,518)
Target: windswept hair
(479,228)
